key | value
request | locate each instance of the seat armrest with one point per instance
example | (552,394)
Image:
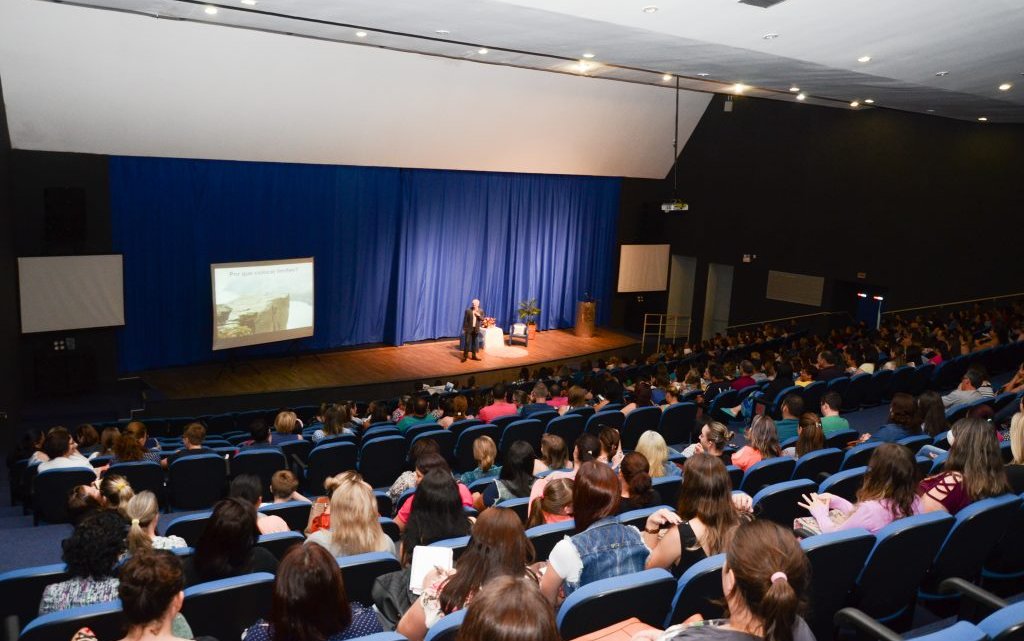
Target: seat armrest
(854,618)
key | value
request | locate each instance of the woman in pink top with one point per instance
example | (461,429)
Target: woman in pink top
(888,493)
(762,443)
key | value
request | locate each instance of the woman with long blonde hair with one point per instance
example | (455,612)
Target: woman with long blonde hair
(143,512)
(359,530)
(653,446)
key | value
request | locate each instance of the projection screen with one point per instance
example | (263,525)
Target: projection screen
(70,292)
(262,301)
(643,268)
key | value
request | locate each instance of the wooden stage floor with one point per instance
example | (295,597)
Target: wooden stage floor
(408,364)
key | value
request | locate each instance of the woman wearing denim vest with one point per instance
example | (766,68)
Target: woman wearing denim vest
(603,547)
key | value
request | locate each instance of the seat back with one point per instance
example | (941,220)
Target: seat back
(774,405)
(767,472)
(296,455)
(726,399)
(887,586)
(278,543)
(261,463)
(521,506)
(1004,567)
(735,476)
(840,439)
(381,461)
(922,378)
(390,528)
(639,516)
(196,482)
(50,492)
(603,419)
(668,487)
(359,571)
(878,389)
(189,527)
(645,595)
(902,380)
(839,385)
(678,422)
(569,426)
(836,559)
(544,537)
(544,417)
(814,464)
(528,429)
(447,629)
(294,513)
(698,591)
(779,502)
(464,461)
(142,476)
(457,544)
(856,390)
(445,444)
(845,483)
(328,460)
(1006,624)
(858,455)
(636,423)
(104,619)
(915,442)
(812,396)
(223,609)
(22,590)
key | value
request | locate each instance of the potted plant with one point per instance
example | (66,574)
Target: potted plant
(528,313)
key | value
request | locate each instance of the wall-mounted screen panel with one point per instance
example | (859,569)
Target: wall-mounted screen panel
(643,268)
(795,288)
(70,292)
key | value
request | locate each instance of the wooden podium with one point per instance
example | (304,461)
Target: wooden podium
(586,318)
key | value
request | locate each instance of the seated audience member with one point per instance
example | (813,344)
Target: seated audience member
(652,445)
(515,479)
(259,436)
(285,487)
(635,478)
(1015,469)
(704,522)
(84,500)
(359,531)
(92,553)
(309,602)
(791,407)
(246,487)
(227,547)
(783,379)
(887,494)
(116,492)
(809,436)
(151,590)
(407,480)
(611,453)
(484,453)
(642,397)
(131,445)
(377,413)
(831,421)
(806,376)
(967,392)
(320,511)
(88,440)
(931,413)
(828,367)
(143,514)
(762,443)
(424,465)
(714,440)
(459,412)
(746,377)
(554,505)
(509,609)
(440,512)
(499,405)
(602,547)
(718,383)
(765,578)
(337,422)
(576,399)
(538,401)
(973,469)
(497,547)
(286,427)
(420,414)
(62,453)
(404,401)
(557,399)
(587,448)
(903,421)
(1015,384)
(553,454)
(192,439)
(108,437)
(30,447)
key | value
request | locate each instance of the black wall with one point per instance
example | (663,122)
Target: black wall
(10,390)
(927,207)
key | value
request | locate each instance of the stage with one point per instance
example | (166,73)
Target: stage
(362,373)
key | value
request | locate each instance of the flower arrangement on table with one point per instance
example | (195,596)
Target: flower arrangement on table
(488,322)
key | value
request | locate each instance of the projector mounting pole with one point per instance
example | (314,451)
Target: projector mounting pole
(675,148)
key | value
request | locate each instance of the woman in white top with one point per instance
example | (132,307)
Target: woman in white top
(355,527)
(144,513)
(62,452)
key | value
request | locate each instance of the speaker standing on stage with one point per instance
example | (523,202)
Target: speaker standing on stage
(471,322)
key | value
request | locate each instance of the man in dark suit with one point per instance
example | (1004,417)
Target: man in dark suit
(471,321)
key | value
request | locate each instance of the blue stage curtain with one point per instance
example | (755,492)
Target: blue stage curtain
(399,253)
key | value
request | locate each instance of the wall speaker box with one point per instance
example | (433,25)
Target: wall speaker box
(65,219)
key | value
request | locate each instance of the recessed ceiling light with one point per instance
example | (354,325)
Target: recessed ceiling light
(583,66)
(770,36)
(650,9)
(249,3)
(210,11)
(588,55)
(941,74)
(1005,86)
(854,104)
(794,89)
(739,87)
(360,34)
(864,59)
(869,101)
(983,119)
(666,77)
(442,32)
(931,111)
(482,51)
(801,97)
(703,74)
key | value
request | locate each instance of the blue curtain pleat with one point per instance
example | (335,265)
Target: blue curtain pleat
(399,252)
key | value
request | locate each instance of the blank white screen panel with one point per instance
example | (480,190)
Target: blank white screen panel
(262,302)
(70,292)
(643,268)
(795,288)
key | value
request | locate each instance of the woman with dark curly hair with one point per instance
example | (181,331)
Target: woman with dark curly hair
(91,552)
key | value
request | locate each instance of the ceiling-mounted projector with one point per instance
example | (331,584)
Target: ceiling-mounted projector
(674,205)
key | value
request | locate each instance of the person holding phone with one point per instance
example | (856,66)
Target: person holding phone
(472,319)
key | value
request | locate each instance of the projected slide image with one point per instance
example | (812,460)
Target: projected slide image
(262,302)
